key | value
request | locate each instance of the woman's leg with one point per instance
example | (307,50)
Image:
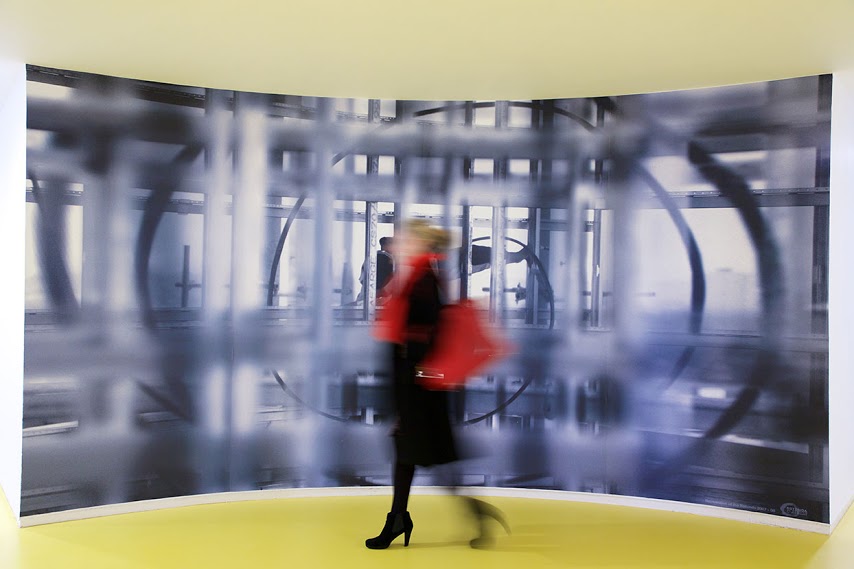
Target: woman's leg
(397,521)
(402,480)
(450,476)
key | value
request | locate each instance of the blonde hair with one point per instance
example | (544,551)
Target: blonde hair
(436,238)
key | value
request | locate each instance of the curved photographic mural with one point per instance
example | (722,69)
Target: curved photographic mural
(203,270)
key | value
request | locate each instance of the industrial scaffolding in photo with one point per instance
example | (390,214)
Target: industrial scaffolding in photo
(202,283)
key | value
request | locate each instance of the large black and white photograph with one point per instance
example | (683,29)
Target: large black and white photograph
(205,268)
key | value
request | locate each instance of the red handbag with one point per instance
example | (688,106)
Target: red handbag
(464,345)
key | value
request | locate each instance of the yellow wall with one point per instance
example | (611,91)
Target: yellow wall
(441,49)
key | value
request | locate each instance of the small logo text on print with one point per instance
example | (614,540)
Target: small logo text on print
(792,510)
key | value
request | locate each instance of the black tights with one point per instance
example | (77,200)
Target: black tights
(403,474)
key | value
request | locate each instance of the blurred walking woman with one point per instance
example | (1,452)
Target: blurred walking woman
(423,435)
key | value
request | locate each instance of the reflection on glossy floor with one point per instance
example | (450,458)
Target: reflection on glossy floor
(329,532)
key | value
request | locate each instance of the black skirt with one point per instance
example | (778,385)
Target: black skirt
(423,435)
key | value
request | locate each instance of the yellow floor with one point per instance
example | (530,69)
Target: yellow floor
(329,532)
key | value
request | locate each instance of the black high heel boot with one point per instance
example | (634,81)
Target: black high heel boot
(483,511)
(395,524)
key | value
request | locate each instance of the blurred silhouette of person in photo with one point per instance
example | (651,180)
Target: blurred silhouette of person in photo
(385,268)
(423,435)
